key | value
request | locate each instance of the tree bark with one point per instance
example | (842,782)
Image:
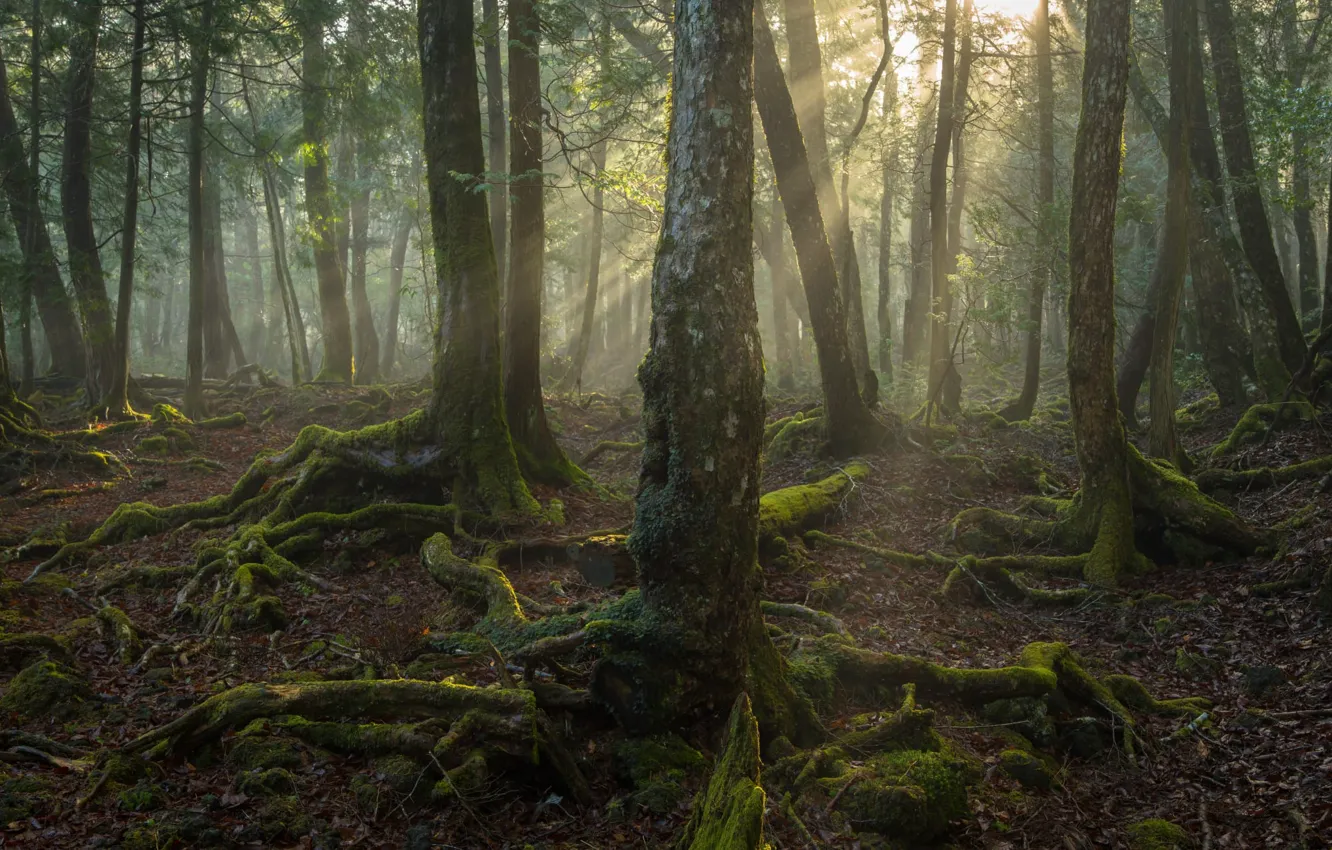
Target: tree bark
(200,60)
(540,456)
(695,538)
(402,234)
(850,425)
(941,291)
(466,411)
(54,306)
(1162,438)
(117,400)
(1255,229)
(254,270)
(1102,448)
(367,341)
(337,365)
(85,264)
(780,274)
(1040,279)
(884,312)
(498,130)
(1326,321)
(574,378)
(915,317)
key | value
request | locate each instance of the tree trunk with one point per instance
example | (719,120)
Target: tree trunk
(499,157)
(850,425)
(466,411)
(1101,445)
(941,305)
(884,313)
(1304,232)
(1040,278)
(85,264)
(807,92)
(367,341)
(1254,226)
(780,274)
(397,262)
(200,61)
(695,539)
(117,400)
(222,343)
(540,456)
(254,270)
(915,317)
(1162,438)
(337,365)
(1326,321)
(28,236)
(574,378)
(20,182)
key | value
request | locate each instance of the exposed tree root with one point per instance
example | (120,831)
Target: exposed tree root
(1215,480)
(1255,423)
(729,814)
(1172,520)
(888,556)
(606,446)
(792,510)
(827,623)
(985,579)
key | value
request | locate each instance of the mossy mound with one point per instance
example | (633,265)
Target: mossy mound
(143,797)
(256,749)
(658,769)
(1027,769)
(1259,418)
(1157,834)
(156,445)
(909,794)
(273,782)
(23,797)
(44,689)
(174,829)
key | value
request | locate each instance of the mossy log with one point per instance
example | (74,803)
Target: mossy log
(826,622)
(887,556)
(729,814)
(1263,478)
(792,510)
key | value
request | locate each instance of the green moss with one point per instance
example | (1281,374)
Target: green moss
(1027,769)
(266,783)
(153,446)
(46,688)
(283,817)
(402,774)
(179,438)
(729,814)
(909,795)
(165,414)
(23,797)
(791,510)
(1157,834)
(231,420)
(143,797)
(657,768)
(254,749)
(1195,665)
(1258,418)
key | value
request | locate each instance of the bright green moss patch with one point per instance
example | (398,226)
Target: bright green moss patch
(909,795)
(729,814)
(231,420)
(157,445)
(1027,769)
(789,511)
(44,689)
(1157,834)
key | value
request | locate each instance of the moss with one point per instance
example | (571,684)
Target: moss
(791,510)
(909,795)
(153,446)
(179,438)
(143,797)
(658,769)
(231,420)
(1258,418)
(46,688)
(729,814)
(256,750)
(1027,769)
(402,774)
(1195,665)
(283,817)
(266,783)
(116,624)
(165,414)
(827,593)
(798,436)
(1157,834)
(23,797)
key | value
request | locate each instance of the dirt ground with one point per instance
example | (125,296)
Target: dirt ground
(1245,779)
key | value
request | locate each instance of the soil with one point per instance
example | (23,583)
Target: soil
(1241,780)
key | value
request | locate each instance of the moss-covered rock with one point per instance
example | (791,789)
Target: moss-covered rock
(909,795)
(143,797)
(22,797)
(1195,665)
(155,445)
(45,689)
(658,769)
(1157,834)
(266,783)
(256,749)
(1027,769)
(1027,716)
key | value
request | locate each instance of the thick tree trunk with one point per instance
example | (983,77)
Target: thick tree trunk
(574,378)
(54,306)
(367,341)
(1102,448)
(1255,229)
(498,129)
(695,538)
(117,400)
(337,365)
(850,425)
(85,264)
(397,262)
(541,457)
(200,60)
(1162,440)
(1040,278)
(222,343)
(466,412)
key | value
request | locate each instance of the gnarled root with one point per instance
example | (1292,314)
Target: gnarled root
(1264,478)
(729,814)
(792,510)
(990,579)
(825,622)
(606,446)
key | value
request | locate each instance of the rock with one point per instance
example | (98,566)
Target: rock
(1083,738)
(1027,769)
(1263,678)
(46,688)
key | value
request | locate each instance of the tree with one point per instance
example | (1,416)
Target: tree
(116,404)
(542,458)
(1022,407)
(1254,227)
(499,200)
(890,164)
(200,59)
(848,424)
(574,377)
(85,264)
(337,366)
(367,341)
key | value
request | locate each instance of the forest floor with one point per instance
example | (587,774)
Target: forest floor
(1245,780)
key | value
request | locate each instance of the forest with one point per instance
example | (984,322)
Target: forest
(700,424)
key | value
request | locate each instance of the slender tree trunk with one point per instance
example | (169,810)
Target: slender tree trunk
(255,272)
(20,182)
(498,137)
(781,319)
(850,425)
(1040,278)
(402,235)
(695,539)
(1162,439)
(466,412)
(1102,448)
(200,60)
(117,401)
(1304,232)
(541,457)
(574,378)
(85,264)
(367,341)
(1254,226)
(942,294)
(884,313)
(164,334)
(29,236)
(1326,321)
(337,365)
